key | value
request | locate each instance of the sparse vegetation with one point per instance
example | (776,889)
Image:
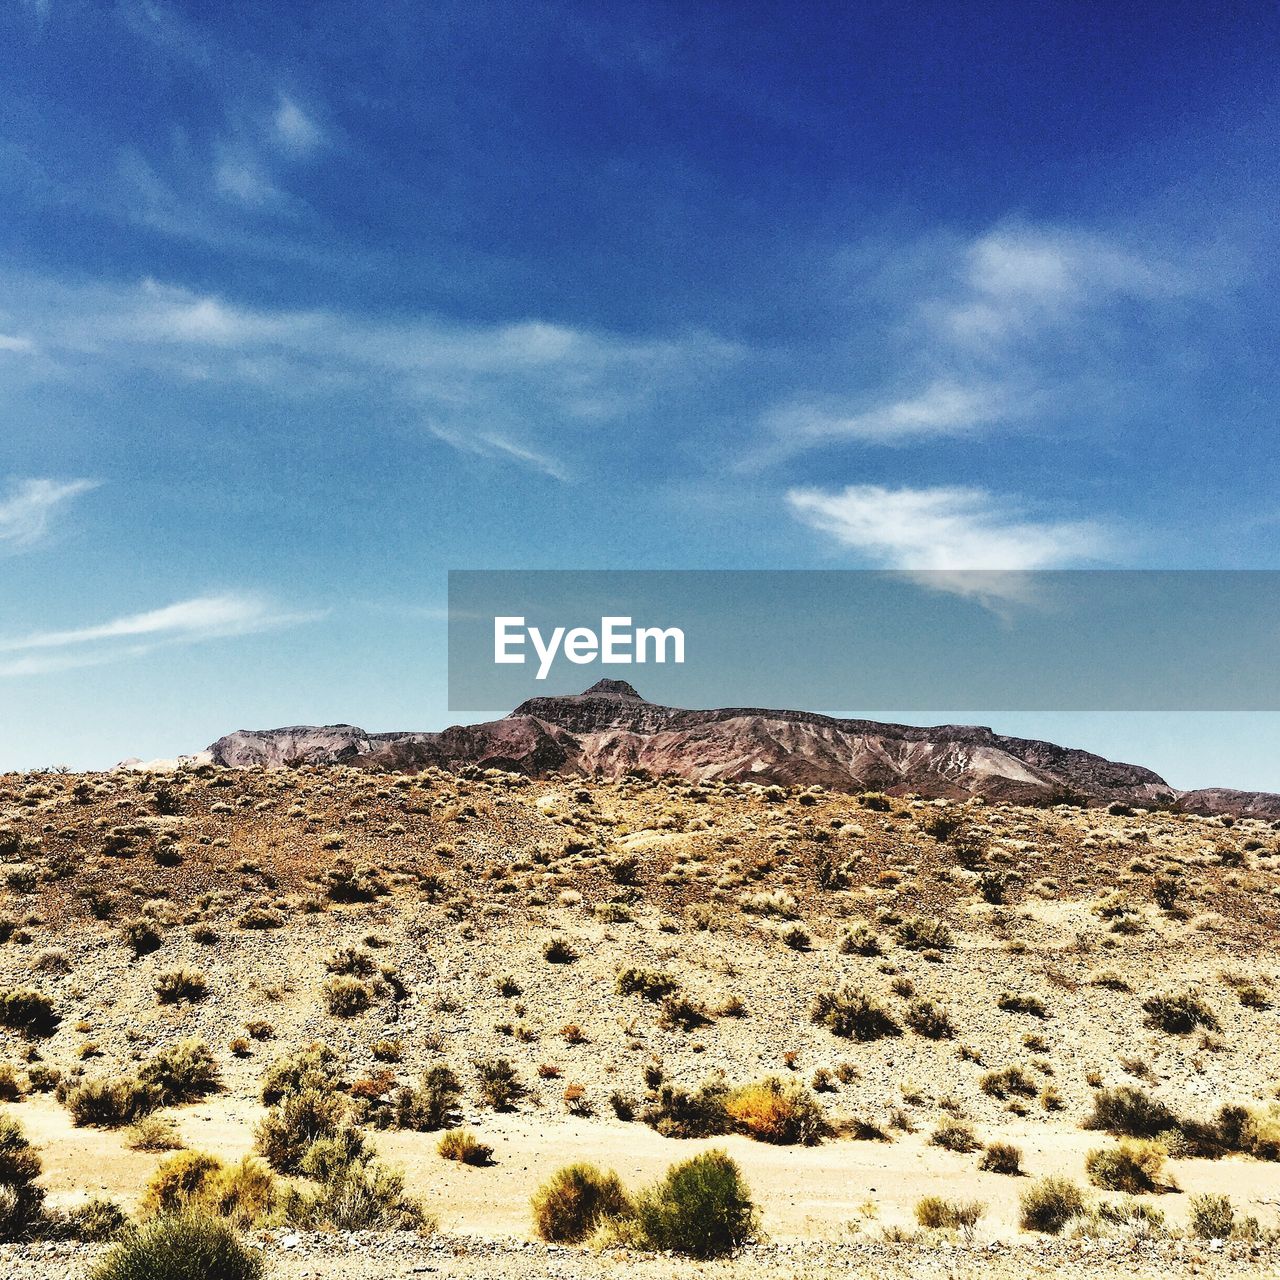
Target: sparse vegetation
(1049,1204)
(575,1200)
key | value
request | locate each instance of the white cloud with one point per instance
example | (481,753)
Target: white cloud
(944,529)
(1020,281)
(943,408)
(490,444)
(26,512)
(993,330)
(22,346)
(242,178)
(137,634)
(294,129)
(200,618)
(499,390)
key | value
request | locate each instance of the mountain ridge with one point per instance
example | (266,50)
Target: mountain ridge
(610,729)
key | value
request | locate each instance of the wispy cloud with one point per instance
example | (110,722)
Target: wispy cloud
(135,635)
(990,332)
(30,506)
(942,408)
(491,445)
(517,392)
(944,529)
(294,129)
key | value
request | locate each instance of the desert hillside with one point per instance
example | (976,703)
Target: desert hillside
(867,1001)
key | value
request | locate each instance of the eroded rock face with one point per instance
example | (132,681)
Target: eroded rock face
(1240,804)
(610,729)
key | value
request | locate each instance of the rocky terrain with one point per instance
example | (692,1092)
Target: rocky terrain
(924,978)
(610,731)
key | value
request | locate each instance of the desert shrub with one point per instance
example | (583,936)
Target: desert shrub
(177,1181)
(181,1072)
(919,934)
(346,997)
(433,1104)
(1178,1014)
(110,1103)
(245,1194)
(42,1078)
(1001,1157)
(830,874)
(1132,1166)
(678,1113)
(143,937)
(701,1208)
(930,1020)
(1142,1218)
(1130,1112)
(644,982)
(1259,1134)
(938,1214)
(463,1146)
(780,905)
(261,918)
(796,937)
(876,801)
(683,1014)
(94,1221)
(1018,1002)
(21,1201)
(188,1246)
(288,1130)
(993,887)
(1049,1204)
(624,869)
(852,1014)
(500,1084)
(316,1066)
(954,1135)
(559,951)
(861,940)
(1211,1217)
(776,1111)
(1166,890)
(180,984)
(354,962)
(10,1086)
(1012,1079)
(153,1133)
(364,1196)
(573,1202)
(329,1158)
(27,1011)
(344,883)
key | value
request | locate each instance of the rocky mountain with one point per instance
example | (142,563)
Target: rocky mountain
(610,730)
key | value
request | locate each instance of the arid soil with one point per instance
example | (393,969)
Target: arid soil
(1038,934)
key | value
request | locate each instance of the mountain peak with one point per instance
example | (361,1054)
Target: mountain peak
(615,688)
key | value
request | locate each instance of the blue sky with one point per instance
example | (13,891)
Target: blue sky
(302,305)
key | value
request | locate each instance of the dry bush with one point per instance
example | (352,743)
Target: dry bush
(777,1111)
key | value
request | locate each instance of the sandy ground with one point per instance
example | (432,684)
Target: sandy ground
(823,1193)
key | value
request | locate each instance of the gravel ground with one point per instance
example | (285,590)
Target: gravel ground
(367,1256)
